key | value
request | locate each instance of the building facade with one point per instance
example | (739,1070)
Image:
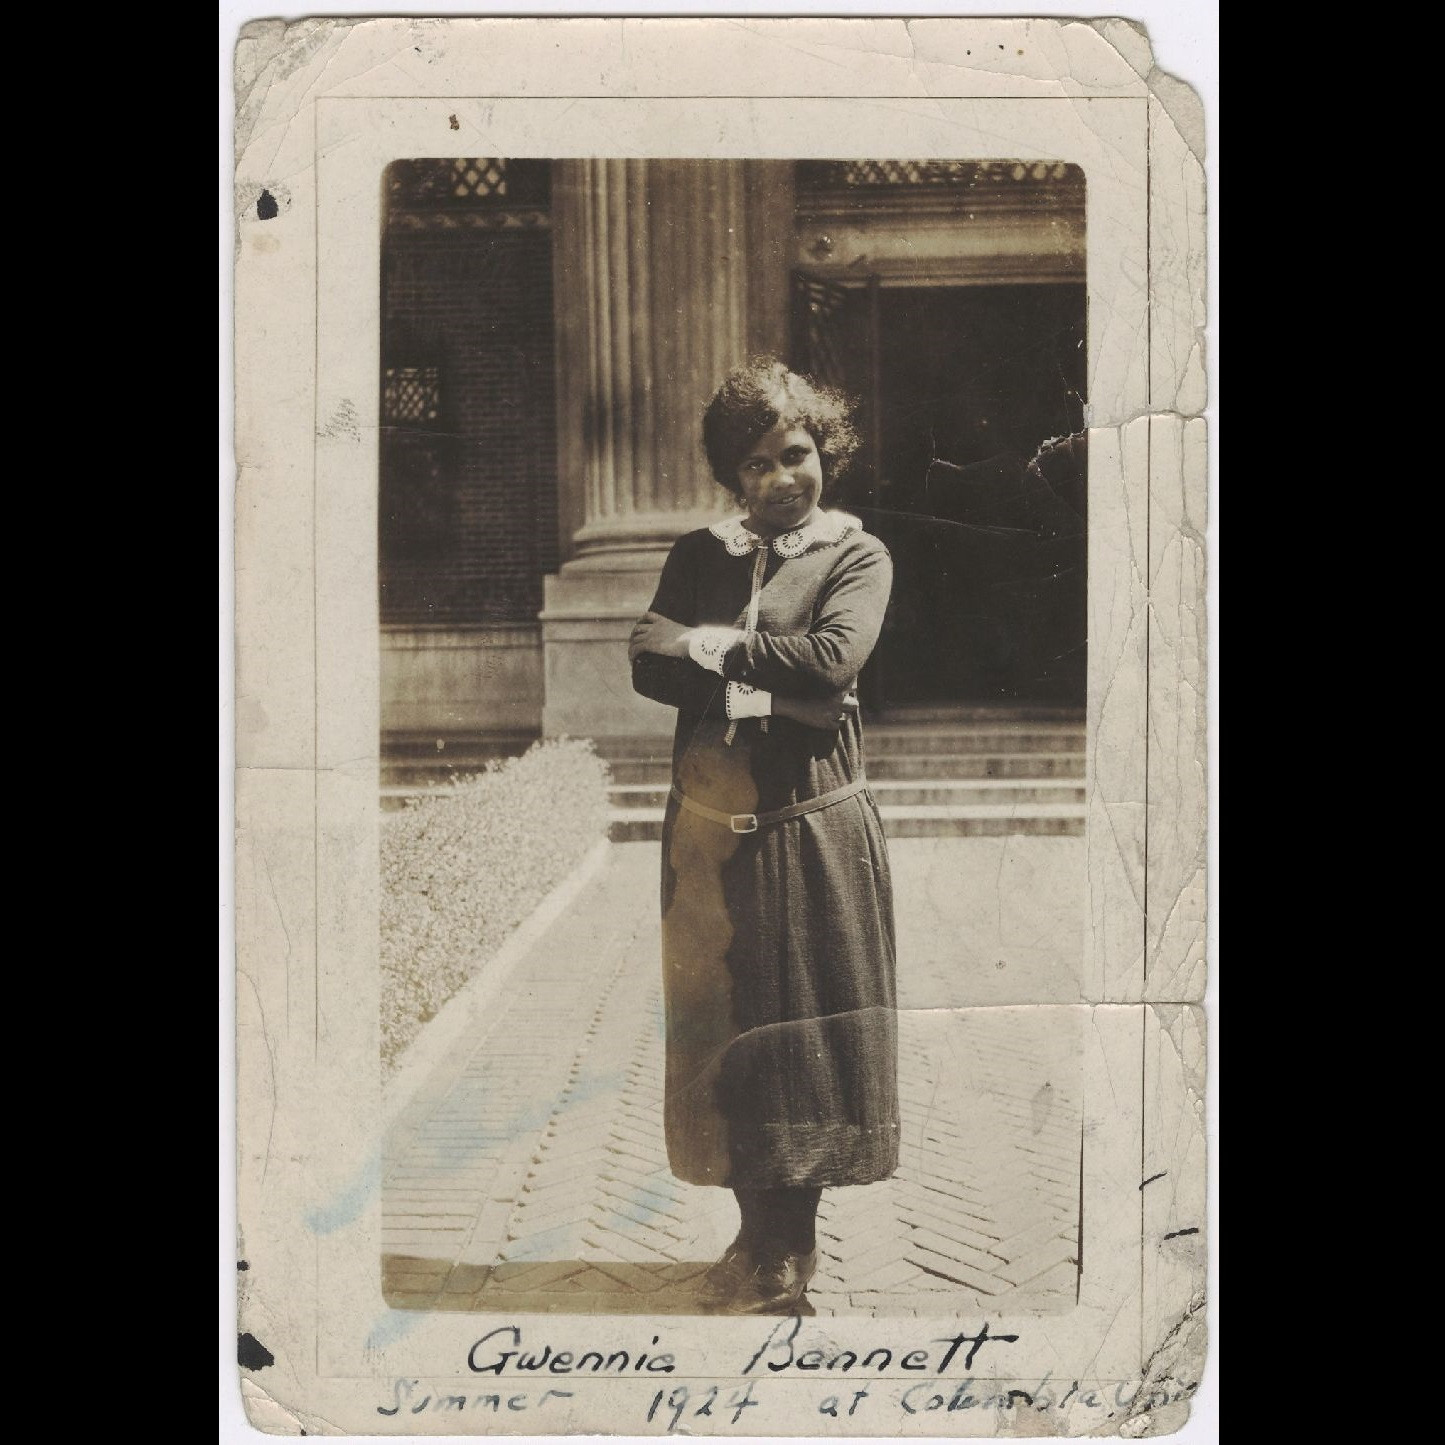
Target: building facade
(551,331)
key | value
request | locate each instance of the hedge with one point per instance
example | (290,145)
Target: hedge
(463,866)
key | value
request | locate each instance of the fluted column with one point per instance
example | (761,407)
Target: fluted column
(652,294)
(652,272)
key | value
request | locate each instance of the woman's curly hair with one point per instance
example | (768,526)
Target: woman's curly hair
(762,394)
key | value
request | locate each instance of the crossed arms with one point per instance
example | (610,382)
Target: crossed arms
(726,672)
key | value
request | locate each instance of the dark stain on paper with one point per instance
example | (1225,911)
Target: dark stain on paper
(251,1354)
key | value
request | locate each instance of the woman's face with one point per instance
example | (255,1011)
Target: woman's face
(781,479)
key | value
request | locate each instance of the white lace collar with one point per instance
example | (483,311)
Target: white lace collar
(824,529)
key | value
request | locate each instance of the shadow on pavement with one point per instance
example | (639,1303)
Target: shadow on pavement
(554,1286)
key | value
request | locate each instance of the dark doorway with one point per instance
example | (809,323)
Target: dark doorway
(974,473)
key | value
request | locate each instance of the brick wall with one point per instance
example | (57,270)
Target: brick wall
(468,518)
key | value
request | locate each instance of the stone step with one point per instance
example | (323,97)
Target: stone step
(953,713)
(890,740)
(940,780)
(912,767)
(894,738)
(425,756)
(406,756)
(975,820)
(402,777)
(945,760)
(905,794)
(900,767)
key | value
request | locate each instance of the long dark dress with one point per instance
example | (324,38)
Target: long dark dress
(778,945)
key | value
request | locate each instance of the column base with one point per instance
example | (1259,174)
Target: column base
(588,615)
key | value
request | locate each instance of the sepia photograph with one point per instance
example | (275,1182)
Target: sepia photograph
(721,768)
(734,513)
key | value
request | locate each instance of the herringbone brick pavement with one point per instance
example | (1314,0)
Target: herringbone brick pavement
(537,1178)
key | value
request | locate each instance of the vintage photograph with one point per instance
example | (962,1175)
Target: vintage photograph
(733,517)
(720,788)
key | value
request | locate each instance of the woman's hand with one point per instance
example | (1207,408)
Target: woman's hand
(827,713)
(659,634)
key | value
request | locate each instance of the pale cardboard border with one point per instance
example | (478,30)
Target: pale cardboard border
(1154,455)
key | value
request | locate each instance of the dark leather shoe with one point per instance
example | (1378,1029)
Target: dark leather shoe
(725,1278)
(776,1285)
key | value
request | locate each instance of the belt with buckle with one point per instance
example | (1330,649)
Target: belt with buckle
(751,822)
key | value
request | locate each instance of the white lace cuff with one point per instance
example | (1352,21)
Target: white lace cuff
(744,700)
(707,646)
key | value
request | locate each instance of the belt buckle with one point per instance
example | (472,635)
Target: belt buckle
(751,819)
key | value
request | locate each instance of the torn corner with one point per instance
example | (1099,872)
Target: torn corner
(1170,1377)
(1179,100)
(269,52)
(266,1413)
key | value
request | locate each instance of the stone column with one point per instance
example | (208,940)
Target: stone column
(652,270)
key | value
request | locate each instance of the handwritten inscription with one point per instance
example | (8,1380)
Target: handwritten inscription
(1127,1397)
(778,1352)
(488,1356)
(504,1352)
(408,1395)
(727,1402)
(699,1403)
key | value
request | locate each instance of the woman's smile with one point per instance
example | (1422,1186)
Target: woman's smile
(781,479)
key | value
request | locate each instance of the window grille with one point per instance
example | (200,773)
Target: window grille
(478,178)
(817,325)
(411,395)
(854,175)
(467,182)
